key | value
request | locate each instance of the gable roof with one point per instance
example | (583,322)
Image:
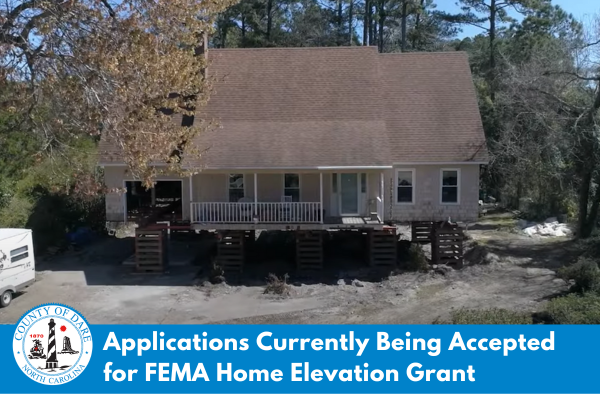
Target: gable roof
(338,106)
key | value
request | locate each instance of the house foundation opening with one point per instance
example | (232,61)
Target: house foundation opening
(163,202)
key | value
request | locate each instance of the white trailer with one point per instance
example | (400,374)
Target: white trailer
(17,263)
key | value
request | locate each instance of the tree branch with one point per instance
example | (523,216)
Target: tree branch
(575,74)
(111,12)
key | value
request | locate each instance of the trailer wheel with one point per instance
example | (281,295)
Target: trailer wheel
(6,298)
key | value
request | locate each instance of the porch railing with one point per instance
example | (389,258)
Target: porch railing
(221,212)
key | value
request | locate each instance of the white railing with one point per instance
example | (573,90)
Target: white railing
(217,212)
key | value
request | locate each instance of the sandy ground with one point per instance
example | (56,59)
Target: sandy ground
(518,275)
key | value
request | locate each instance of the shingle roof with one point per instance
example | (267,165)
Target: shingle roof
(339,106)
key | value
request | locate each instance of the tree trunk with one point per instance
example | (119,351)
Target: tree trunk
(269,19)
(372,24)
(584,195)
(340,24)
(243,21)
(593,215)
(381,23)
(350,20)
(492,75)
(223,36)
(417,25)
(366,22)
(404,17)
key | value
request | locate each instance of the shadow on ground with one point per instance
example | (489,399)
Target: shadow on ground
(109,262)
(543,253)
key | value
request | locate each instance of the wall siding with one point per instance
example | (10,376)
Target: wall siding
(212,187)
(310,187)
(427,186)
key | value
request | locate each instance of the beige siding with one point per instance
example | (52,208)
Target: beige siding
(210,187)
(270,187)
(114,178)
(249,185)
(310,187)
(427,203)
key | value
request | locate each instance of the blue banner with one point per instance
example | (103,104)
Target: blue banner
(49,353)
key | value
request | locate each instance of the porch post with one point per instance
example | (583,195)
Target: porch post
(191,198)
(255,196)
(382,195)
(321,195)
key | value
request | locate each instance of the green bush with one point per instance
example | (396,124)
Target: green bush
(43,199)
(15,212)
(574,309)
(491,316)
(585,273)
(417,260)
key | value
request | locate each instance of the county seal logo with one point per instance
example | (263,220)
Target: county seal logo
(52,344)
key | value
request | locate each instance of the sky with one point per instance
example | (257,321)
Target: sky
(581,9)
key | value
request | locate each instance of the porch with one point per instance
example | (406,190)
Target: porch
(287,200)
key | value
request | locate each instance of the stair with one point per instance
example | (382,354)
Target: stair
(382,249)
(230,251)
(151,248)
(309,250)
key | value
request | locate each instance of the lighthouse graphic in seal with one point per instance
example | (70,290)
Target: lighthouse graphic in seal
(52,325)
(51,361)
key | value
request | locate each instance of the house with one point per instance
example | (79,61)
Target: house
(324,138)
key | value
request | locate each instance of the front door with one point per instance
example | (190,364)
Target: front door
(349,194)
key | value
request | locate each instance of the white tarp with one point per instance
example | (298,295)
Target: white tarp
(551,227)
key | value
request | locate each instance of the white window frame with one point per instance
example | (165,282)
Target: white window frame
(18,254)
(228,185)
(299,185)
(458,185)
(414,185)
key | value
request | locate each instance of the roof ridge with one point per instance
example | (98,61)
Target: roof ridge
(370,48)
(428,53)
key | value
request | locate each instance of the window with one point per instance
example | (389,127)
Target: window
(236,187)
(19,254)
(334,183)
(363,183)
(450,186)
(405,179)
(291,186)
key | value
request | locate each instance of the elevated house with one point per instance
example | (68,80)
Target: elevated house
(323,138)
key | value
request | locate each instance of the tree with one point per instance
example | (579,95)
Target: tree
(106,68)
(489,15)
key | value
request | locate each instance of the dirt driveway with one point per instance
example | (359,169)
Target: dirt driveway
(519,275)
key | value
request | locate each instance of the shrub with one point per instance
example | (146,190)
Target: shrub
(16,212)
(585,273)
(216,275)
(574,309)
(491,316)
(278,286)
(417,260)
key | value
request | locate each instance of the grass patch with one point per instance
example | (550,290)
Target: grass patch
(491,316)
(573,310)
